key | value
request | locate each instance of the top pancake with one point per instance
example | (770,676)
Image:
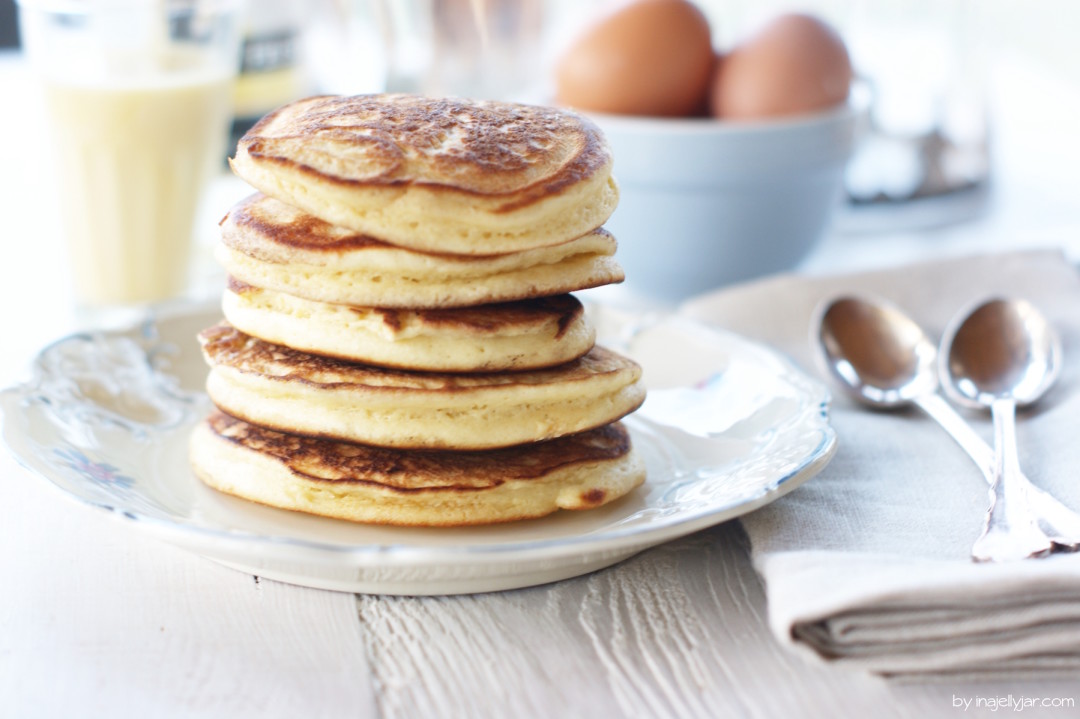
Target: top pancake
(435,175)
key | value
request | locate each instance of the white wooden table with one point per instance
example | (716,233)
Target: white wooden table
(97,620)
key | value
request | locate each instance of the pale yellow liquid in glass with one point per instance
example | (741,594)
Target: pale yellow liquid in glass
(133,162)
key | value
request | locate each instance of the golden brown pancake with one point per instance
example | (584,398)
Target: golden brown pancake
(280,388)
(435,175)
(528,334)
(271,245)
(385,486)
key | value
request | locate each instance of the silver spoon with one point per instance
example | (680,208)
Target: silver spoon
(1002,354)
(884,359)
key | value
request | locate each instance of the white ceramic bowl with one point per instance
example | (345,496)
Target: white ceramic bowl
(706,203)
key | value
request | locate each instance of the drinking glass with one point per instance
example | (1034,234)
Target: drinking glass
(138,101)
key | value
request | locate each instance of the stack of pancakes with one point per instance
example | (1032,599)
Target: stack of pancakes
(399,344)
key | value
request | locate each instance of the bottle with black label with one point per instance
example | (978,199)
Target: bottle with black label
(270,64)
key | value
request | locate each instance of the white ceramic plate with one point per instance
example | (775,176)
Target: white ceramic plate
(728,427)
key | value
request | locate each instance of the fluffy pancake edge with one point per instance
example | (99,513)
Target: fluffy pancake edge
(388,289)
(436,340)
(287,390)
(257,476)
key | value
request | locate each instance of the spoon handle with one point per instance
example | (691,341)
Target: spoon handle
(944,414)
(1060,523)
(1010,531)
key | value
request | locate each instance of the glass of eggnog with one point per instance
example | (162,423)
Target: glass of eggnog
(138,96)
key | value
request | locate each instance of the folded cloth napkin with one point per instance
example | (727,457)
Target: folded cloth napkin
(868,564)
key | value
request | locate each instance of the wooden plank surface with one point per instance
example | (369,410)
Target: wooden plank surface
(96,620)
(678,631)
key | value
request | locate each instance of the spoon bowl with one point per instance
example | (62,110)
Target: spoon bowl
(1002,349)
(876,351)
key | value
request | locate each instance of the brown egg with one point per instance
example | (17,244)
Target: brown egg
(652,57)
(796,64)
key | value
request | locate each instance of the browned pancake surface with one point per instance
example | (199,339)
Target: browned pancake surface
(412,471)
(481,319)
(267,229)
(478,147)
(258,221)
(224,345)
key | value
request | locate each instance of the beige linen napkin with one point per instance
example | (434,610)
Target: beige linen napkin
(867,565)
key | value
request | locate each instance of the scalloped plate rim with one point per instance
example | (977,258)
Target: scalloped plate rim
(206,540)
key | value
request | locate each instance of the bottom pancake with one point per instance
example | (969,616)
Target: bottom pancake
(410,488)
